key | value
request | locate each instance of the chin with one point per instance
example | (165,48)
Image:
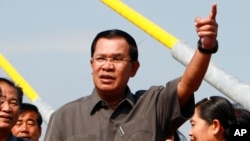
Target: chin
(105,87)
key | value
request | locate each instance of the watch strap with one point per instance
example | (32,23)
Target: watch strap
(207,51)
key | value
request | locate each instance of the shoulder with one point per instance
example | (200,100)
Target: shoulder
(172,84)
(80,103)
(160,91)
(79,100)
(151,91)
(76,102)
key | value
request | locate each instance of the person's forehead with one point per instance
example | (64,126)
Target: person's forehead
(196,115)
(110,46)
(27,115)
(108,41)
(8,90)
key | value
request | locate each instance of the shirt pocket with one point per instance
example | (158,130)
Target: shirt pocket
(134,131)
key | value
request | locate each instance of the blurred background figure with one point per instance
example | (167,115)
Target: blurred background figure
(29,123)
(242,116)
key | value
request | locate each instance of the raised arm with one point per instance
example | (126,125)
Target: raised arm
(191,80)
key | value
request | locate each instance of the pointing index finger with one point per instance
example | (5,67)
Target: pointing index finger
(213,11)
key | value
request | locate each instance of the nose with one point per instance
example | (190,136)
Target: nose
(108,61)
(190,133)
(108,64)
(23,128)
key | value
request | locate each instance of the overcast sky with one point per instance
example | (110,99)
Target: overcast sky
(48,42)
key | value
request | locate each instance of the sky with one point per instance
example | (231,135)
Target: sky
(48,43)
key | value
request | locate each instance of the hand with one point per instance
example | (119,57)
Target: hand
(207,28)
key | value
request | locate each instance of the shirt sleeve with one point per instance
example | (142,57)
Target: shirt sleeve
(170,114)
(52,132)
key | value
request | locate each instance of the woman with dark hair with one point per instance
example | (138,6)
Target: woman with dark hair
(212,119)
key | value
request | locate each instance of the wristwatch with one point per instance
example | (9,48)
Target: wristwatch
(207,51)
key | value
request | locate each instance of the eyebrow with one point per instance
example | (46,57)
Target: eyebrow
(31,120)
(11,98)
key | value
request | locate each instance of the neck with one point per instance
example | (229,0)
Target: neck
(113,99)
(113,107)
(4,135)
(114,102)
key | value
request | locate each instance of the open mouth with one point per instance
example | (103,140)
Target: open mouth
(107,78)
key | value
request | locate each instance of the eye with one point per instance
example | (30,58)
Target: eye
(18,123)
(117,59)
(100,59)
(192,124)
(31,123)
(2,99)
(13,102)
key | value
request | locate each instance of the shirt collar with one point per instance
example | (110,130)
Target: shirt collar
(12,138)
(96,102)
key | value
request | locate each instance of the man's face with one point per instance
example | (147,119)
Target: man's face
(112,75)
(9,106)
(27,126)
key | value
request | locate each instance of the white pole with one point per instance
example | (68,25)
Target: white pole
(227,84)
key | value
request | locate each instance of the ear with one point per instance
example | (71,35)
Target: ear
(40,131)
(135,67)
(91,65)
(216,126)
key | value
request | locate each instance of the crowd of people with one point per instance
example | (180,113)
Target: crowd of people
(18,121)
(113,113)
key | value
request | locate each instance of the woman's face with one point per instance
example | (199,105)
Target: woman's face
(201,130)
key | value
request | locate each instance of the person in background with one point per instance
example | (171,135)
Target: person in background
(112,112)
(212,119)
(242,116)
(29,123)
(11,97)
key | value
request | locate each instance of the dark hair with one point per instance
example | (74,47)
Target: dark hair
(17,88)
(30,107)
(115,33)
(242,116)
(219,108)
